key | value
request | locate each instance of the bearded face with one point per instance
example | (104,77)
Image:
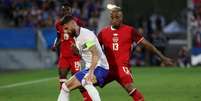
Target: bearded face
(70,28)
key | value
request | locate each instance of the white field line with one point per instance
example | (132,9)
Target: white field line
(26,83)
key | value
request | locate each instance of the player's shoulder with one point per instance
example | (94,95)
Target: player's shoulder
(86,31)
(128,27)
(86,34)
(106,28)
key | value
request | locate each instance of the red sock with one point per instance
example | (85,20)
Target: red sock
(85,94)
(136,95)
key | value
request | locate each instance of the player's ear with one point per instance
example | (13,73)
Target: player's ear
(65,27)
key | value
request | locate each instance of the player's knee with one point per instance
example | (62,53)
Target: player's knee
(65,87)
(129,87)
(85,82)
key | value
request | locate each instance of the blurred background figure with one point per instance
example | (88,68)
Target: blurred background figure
(159,40)
(138,57)
(194,31)
(42,13)
(32,22)
(184,59)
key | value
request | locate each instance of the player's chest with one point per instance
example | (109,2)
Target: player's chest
(120,37)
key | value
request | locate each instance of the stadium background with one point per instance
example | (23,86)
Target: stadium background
(27,65)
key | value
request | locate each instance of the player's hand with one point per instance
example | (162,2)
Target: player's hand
(167,61)
(90,77)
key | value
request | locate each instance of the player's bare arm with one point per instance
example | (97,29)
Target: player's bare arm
(153,49)
(95,58)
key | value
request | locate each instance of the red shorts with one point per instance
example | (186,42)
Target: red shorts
(121,74)
(72,64)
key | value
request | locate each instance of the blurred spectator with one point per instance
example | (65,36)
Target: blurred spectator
(93,22)
(196,24)
(144,25)
(159,40)
(76,10)
(138,57)
(184,59)
(42,13)
(157,22)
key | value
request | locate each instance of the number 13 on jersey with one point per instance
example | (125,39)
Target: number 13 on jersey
(115,46)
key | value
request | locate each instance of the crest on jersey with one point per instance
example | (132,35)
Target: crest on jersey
(115,34)
(115,39)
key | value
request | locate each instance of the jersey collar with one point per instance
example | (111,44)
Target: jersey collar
(78,32)
(112,28)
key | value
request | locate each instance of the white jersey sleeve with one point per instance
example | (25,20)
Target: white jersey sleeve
(86,40)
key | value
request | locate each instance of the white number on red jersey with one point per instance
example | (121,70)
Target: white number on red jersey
(126,70)
(115,46)
(77,65)
(66,36)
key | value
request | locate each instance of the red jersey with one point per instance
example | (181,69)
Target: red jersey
(118,43)
(79,22)
(66,41)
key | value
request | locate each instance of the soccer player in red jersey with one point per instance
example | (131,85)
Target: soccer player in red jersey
(117,40)
(68,59)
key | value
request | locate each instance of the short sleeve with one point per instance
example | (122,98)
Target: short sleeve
(136,36)
(89,43)
(89,40)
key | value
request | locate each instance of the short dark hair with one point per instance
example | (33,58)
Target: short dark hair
(116,9)
(66,19)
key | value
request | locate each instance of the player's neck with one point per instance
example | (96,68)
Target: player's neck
(113,27)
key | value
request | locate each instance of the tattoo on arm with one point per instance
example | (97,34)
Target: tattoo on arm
(95,56)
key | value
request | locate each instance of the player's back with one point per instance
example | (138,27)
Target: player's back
(118,43)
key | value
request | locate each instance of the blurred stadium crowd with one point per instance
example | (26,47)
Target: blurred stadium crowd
(42,13)
(195,23)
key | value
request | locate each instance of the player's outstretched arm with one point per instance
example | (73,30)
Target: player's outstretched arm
(152,48)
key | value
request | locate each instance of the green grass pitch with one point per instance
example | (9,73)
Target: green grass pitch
(157,84)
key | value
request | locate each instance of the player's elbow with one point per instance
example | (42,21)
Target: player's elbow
(148,45)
